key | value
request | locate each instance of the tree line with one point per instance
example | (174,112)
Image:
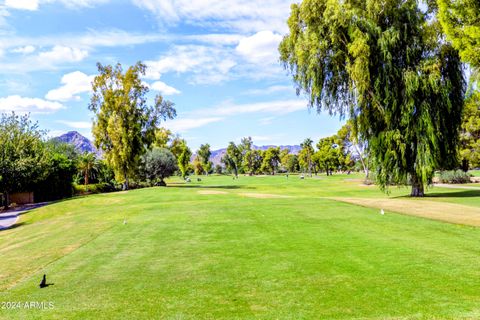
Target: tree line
(394,69)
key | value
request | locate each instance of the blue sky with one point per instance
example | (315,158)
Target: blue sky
(216,60)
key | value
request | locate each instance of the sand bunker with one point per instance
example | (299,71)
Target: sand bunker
(437,210)
(211,192)
(263,195)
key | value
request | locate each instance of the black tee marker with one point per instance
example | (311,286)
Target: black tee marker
(44,283)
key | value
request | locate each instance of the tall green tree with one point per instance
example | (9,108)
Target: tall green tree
(384,64)
(245,148)
(57,172)
(329,155)
(233,158)
(124,125)
(204,154)
(183,158)
(87,164)
(22,154)
(252,161)
(163,137)
(460,20)
(176,145)
(305,155)
(470,134)
(271,160)
(290,163)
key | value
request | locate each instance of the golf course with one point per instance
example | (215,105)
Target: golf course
(264,247)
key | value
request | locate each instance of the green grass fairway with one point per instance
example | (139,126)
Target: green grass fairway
(256,247)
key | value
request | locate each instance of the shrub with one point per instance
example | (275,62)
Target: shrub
(456,176)
(94,188)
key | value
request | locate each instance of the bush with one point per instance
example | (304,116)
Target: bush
(94,188)
(456,176)
(158,164)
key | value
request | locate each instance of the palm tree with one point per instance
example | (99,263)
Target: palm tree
(87,164)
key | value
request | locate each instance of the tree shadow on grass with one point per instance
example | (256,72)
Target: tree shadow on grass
(14,226)
(454,194)
(196,186)
(446,194)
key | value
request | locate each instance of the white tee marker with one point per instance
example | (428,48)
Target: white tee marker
(382,212)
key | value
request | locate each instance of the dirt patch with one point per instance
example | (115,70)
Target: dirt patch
(443,211)
(264,195)
(211,192)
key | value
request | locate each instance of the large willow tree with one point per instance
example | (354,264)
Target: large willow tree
(386,66)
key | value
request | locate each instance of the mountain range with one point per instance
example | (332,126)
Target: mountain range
(82,144)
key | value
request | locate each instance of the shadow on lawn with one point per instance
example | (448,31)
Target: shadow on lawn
(455,194)
(172,185)
(447,194)
(14,226)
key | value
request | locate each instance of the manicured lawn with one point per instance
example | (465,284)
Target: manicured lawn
(256,247)
(476,173)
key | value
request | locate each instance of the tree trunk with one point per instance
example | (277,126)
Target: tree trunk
(7,199)
(417,187)
(364,165)
(465,165)
(125,184)
(86,180)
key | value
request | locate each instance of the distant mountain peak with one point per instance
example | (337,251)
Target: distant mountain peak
(81,143)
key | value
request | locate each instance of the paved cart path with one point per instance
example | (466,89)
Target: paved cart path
(10,217)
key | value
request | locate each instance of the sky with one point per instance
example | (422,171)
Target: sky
(216,60)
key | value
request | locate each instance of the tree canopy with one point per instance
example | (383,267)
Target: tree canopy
(22,153)
(124,124)
(233,158)
(386,66)
(159,163)
(470,134)
(183,156)
(204,154)
(460,20)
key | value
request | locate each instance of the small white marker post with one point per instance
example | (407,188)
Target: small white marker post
(382,212)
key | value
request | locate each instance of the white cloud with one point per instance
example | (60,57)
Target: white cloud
(207,64)
(72,4)
(262,138)
(185,124)
(243,15)
(33,5)
(23,105)
(76,124)
(262,47)
(266,121)
(72,84)
(275,107)
(62,54)
(24,50)
(270,90)
(30,5)
(44,60)
(164,88)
